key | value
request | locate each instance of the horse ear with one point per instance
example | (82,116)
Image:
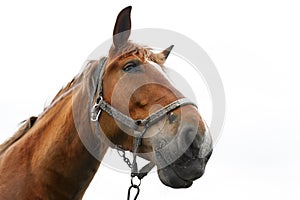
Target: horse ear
(161,57)
(167,51)
(122,28)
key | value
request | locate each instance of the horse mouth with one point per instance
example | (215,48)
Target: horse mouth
(170,178)
(183,171)
(183,159)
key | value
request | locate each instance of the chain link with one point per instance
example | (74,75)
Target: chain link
(122,154)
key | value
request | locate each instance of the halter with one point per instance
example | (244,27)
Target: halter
(138,126)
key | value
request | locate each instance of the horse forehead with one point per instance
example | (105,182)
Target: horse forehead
(116,63)
(131,49)
(156,74)
(161,70)
(157,67)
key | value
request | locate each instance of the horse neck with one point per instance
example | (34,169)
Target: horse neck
(51,160)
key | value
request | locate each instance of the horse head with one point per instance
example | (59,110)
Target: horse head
(134,82)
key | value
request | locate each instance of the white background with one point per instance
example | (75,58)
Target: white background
(254,44)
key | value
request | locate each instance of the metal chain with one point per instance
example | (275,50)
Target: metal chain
(122,154)
(133,185)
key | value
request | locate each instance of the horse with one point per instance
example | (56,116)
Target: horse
(48,158)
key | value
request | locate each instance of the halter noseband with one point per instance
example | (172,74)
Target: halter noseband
(139,126)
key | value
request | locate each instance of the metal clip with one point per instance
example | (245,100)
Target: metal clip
(135,186)
(96,110)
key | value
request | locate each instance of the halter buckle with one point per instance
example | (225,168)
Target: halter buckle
(96,110)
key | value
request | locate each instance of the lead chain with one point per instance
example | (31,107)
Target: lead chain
(133,185)
(122,154)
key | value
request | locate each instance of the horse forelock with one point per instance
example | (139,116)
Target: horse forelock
(141,51)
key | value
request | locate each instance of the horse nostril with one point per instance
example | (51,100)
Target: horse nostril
(189,142)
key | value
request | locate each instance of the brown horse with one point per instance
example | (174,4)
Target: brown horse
(56,155)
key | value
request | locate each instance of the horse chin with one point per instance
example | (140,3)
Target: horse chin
(169,178)
(182,172)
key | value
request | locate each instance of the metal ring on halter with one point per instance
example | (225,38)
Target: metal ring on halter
(132,183)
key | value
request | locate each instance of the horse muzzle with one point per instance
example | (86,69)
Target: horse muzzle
(183,160)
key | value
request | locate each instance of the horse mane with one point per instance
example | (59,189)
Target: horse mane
(89,79)
(26,125)
(63,90)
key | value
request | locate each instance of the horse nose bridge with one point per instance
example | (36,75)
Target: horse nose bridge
(189,115)
(191,121)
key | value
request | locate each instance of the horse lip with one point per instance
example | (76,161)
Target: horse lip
(180,183)
(184,182)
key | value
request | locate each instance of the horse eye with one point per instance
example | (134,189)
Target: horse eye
(129,67)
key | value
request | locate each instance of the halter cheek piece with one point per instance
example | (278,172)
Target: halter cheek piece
(139,126)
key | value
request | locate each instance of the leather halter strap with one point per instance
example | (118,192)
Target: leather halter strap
(138,126)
